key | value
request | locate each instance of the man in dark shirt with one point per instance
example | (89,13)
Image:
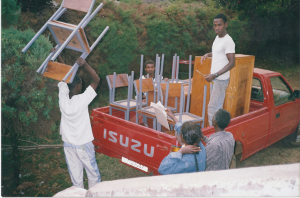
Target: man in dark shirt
(219,146)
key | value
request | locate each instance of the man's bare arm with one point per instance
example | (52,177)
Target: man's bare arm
(205,57)
(93,74)
(229,66)
(170,113)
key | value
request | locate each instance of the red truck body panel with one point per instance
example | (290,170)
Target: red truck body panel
(145,148)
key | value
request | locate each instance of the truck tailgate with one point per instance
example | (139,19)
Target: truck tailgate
(135,145)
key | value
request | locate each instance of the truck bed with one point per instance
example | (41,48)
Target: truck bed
(144,148)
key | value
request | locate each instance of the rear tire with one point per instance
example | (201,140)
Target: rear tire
(293,140)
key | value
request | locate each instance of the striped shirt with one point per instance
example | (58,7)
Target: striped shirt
(219,150)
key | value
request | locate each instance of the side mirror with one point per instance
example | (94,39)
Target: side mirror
(297,93)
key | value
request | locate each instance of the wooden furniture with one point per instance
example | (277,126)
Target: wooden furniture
(176,90)
(116,81)
(68,36)
(238,93)
(145,85)
(57,71)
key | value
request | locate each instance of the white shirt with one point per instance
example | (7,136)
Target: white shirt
(75,125)
(220,48)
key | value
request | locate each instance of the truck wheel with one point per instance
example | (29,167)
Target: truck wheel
(293,140)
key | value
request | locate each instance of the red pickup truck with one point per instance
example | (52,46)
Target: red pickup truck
(274,114)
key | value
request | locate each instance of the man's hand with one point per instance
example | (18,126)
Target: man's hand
(169,112)
(59,59)
(80,61)
(209,77)
(203,58)
(53,49)
(189,149)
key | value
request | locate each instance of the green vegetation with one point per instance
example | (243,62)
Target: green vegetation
(25,102)
(9,12)
(33,5)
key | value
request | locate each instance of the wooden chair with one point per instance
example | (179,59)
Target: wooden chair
(67,36)
(145,85)
(116,81)
(177,90)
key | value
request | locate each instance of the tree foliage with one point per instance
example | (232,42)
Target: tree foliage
(32,5)
(9,9)
(273,26)
(24,95)
(25,103)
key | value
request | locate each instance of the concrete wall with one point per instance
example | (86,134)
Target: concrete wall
(278,180)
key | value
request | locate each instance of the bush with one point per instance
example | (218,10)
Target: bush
(32,5)
(25,103)
(8,12)
(24,95)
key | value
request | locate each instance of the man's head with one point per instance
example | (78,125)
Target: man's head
(220,25)
(149,67)
(76,86)
(221,119)
(191,133)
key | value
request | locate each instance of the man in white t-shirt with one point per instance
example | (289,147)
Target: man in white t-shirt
(223,59)
(75,127)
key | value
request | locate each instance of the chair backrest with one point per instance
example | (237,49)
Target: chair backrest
(147,85)
(121,80)
(173,90)
(79,5)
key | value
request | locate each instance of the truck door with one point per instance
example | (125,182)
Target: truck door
(285,110)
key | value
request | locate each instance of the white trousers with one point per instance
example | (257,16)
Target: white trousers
(79,157)
(217,97)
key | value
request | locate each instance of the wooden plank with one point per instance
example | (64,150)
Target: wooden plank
(121,80)
(79,5)
(238,93)
(147,85)
(57,71)
(198,87)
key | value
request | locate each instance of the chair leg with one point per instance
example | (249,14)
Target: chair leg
(127,113)
(154,123)
(110,110)
(158,126)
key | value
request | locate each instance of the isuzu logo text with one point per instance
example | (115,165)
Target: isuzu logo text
(124,141)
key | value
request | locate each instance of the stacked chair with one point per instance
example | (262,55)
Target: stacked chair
(67,36)
(117,81)
(177,90)
(145,86)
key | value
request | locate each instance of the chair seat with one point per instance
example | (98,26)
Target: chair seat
(57,71)
(186,117)
(122,104)
(147,111)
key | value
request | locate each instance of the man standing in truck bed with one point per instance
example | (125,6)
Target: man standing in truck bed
(223,59)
